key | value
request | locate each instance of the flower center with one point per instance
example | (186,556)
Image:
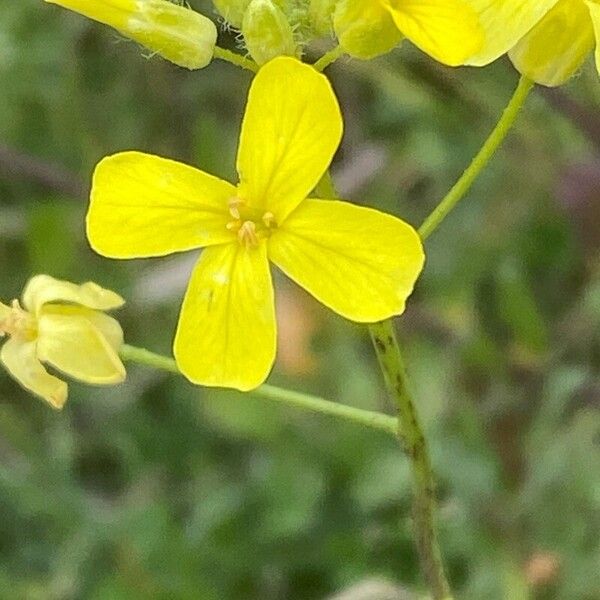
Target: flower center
(250,225)
(18,323)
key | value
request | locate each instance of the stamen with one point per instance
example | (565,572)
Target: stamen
(269,220)
(247,234)
(234,208)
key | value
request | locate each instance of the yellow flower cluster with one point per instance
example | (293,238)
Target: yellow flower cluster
(359,262)
(548,40)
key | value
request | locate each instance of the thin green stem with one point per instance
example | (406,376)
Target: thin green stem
(463,185)
(366,418)
(328,58)
(236,59)
(424,503)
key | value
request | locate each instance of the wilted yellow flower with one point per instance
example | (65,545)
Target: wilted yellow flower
(358,261)
(175,32)
(60,323)
(555,49)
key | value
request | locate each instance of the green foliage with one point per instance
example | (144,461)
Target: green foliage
(156,489)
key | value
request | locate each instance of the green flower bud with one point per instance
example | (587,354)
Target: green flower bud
(321,16)
(232,10)
(364,28)
(267,32)
(176,33)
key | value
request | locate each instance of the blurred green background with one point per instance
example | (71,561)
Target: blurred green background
(157,489)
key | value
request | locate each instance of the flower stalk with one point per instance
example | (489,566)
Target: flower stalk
(308,402)
(235,59)
(481,160)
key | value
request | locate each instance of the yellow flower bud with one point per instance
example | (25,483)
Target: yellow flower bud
(364,28)
(232,10)
(267,32)
(321,15)
(176,33)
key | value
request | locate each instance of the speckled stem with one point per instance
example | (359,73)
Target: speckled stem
(415,445)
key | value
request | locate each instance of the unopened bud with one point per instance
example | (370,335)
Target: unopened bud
(364,28)
(267,32)
(174,32)
(321,16)
(232,10)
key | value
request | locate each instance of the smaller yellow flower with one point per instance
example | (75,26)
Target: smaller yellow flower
(60,323)
(454,32)
(176,33)
(556,48)
(360,262)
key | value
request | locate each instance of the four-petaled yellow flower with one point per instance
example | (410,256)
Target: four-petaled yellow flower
(175,32)
(359,262)
(454,32)
(60,323)
(555,49)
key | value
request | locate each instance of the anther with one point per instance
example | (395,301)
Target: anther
(269,220)
(234,208)
(247,234)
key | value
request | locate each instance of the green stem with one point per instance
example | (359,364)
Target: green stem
(370,419)
(463,185)
(411,435)
(328,58)
(236,59)
(424,503)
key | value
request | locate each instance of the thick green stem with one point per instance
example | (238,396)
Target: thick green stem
(328,58)
(424,503)
(236,59)
(366,418)
(463,185)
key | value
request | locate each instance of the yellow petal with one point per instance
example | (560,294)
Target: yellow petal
(359,262)
(20,359)
(142,205)
(43,289)
(554,50)
(108,327)
(175,32)
(447,30)
(290,133)
(595,14)
(226,333)
(505,22)
(365,29)
(71,343)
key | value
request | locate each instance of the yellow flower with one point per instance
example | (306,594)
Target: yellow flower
(454,32)
(447,30)
(359,262)
(176,33)
(60,324)
(555,49)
